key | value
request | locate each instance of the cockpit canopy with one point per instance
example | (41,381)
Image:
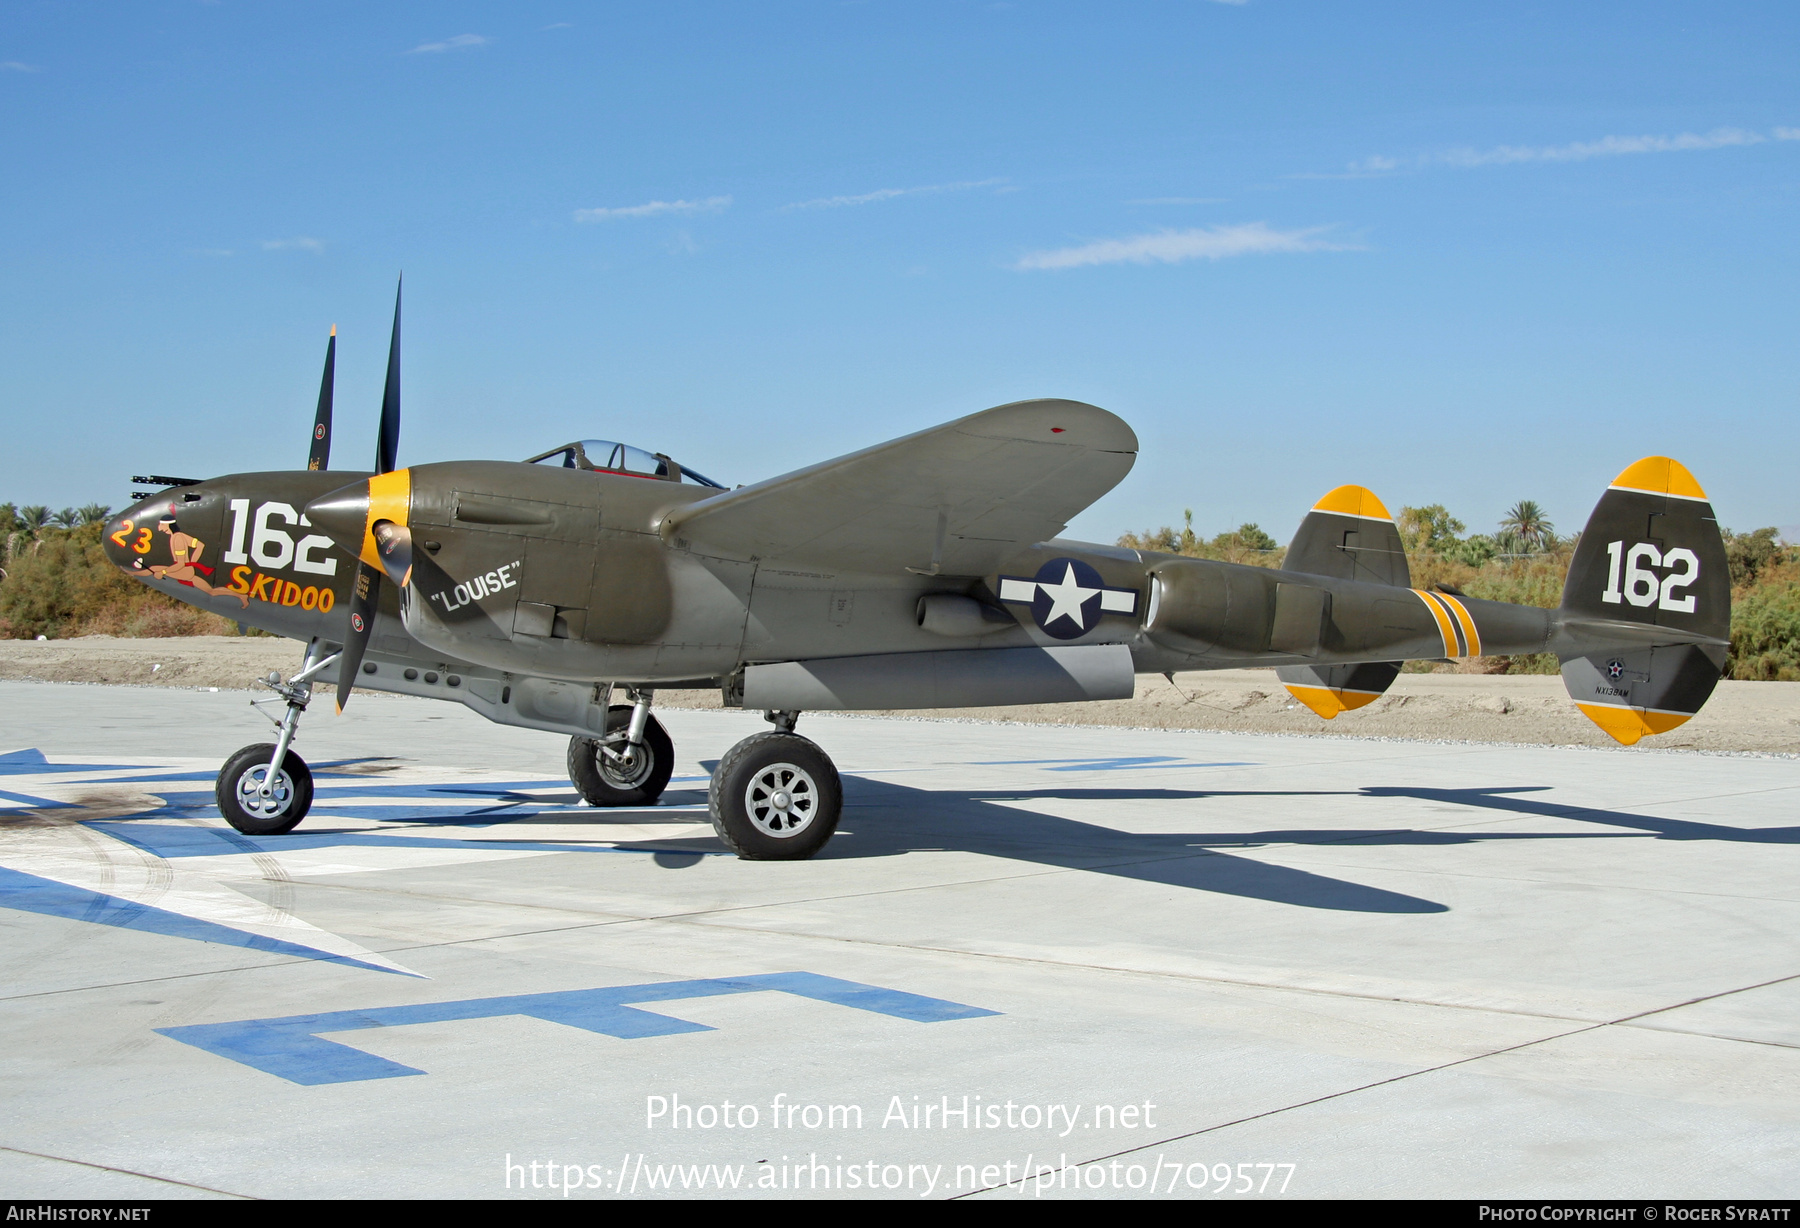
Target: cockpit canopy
(605,456)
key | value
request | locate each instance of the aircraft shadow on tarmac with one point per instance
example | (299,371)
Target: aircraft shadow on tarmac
(888,819)
(884,818)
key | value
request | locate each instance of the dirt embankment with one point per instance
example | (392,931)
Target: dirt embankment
(1742,716)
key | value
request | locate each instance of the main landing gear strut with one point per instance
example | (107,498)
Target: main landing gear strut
(631,764)
(775,796)
(266,789)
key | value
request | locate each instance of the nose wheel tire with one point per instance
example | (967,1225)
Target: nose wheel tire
(637,779)
(256,805)
(775,797)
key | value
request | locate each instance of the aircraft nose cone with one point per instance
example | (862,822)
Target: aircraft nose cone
(131,535)
(343,516)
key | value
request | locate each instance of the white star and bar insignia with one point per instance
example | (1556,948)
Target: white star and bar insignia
(1067,597)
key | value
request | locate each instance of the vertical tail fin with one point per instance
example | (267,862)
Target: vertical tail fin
(1348,535)
(1646,610)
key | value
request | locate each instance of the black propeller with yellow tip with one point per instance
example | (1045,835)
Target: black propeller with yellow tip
(372,517)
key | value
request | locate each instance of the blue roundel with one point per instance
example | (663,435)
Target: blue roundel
(1067,603)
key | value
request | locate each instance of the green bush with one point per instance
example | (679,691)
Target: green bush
(1765,633)
(59,583)
(1751,554)
(1245,544)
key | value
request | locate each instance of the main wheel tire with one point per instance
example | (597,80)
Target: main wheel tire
(775,797)
(601,782)
(239,791)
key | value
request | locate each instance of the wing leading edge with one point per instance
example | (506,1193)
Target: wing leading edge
(954,500)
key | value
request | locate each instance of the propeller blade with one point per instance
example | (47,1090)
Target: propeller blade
(387,444)
(394,544)
(364,602)
(321,436)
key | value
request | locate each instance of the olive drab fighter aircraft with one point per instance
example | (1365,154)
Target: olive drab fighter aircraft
(920,573)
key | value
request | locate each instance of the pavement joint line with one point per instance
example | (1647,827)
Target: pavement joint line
(1724,993)
(1737,1040)
(129,1172)
(1164,974)
(1351,1091)
(1301,1104)
(1565,882)
(1185,977)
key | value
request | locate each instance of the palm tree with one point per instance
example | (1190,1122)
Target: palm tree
(34,517)
(65,519)
(1527,527)
(92,513)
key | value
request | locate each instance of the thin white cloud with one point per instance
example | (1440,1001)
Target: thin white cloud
(18,66)
(1605,147)
(869,198)
(211,251)
(462,42)
(297,243)
(1376,167)
(1176,246)
(712,204)
(1575,151)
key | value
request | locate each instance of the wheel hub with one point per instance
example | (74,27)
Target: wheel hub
(630,768)
(260,796)
(782,800)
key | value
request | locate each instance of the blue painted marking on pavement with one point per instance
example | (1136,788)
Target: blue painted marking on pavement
(1116,763)
(33,763)
(170,840)
(29,893)
(37,803)
(487,804)
(292,1048)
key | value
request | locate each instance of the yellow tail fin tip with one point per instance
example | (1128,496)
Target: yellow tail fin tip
(1353,501)
(1660,475)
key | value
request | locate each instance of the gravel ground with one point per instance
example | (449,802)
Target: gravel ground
(1742,716)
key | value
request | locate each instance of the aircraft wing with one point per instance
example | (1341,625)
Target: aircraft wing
(962,496)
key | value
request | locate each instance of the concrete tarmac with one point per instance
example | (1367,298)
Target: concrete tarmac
(1036,961)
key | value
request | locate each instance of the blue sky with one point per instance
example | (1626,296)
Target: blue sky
(1466,253)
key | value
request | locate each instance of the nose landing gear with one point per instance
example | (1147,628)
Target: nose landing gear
(266,789)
